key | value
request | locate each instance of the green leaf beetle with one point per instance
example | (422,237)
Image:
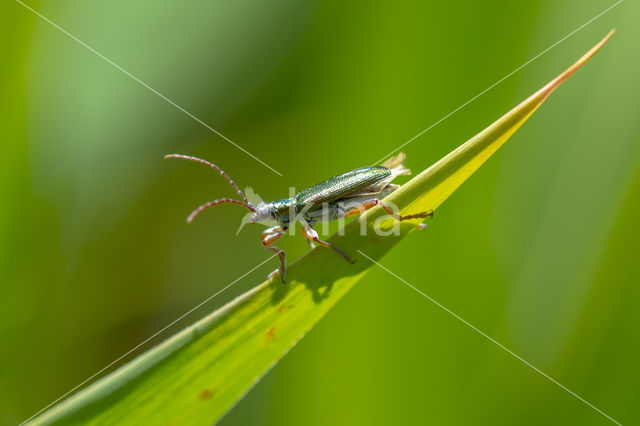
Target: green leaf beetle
(345,195)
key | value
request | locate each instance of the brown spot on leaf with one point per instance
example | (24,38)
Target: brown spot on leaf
(282,308)
(271,333)
(206,394)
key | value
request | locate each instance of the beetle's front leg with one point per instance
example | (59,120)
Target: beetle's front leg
(269,237)
(310,234)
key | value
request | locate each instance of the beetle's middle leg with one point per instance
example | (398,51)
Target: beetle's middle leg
(366,205)
(310,234)
(270,236)
(312,245)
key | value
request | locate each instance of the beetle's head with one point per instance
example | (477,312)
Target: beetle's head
(263,212)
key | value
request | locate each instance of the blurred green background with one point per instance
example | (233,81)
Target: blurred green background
(539,249)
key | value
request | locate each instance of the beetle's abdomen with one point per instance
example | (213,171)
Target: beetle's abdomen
(340,186)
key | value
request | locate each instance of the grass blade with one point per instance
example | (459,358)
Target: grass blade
(198,374)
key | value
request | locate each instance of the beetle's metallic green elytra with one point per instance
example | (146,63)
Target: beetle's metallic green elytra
(347,194)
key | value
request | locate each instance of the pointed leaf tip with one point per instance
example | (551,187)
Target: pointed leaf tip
(430,188)
(553,84)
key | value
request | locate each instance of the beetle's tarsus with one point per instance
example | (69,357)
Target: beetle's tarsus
(273,274)
(340,252)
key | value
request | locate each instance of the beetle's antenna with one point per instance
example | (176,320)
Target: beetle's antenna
(205,206)
(213,166)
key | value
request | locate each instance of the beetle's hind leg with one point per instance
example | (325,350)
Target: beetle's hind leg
(422,215)
(366,205)
(310,234)
(269,237)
